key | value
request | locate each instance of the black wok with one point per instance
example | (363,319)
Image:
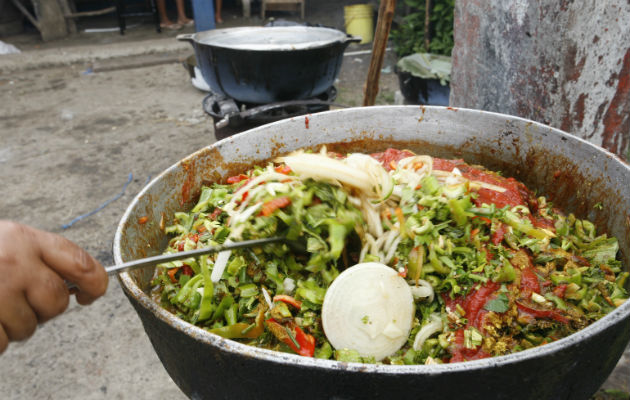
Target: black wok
(574,173)
(269,64)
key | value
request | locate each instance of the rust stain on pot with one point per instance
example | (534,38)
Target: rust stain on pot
(189,170)
(278,147)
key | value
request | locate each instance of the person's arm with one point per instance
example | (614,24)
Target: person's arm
(33,266)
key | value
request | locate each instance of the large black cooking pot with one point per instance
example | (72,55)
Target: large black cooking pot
(269,64)
(574,173)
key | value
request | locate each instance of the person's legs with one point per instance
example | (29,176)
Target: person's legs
(161,6)
(217,11)
(165,22)
(181,14)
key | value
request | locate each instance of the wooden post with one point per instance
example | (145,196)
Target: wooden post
(49,18)
(67,11)
(383,26)
(427,25)
(52,23)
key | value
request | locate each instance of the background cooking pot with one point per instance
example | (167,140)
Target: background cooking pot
(575,173)
(269,64)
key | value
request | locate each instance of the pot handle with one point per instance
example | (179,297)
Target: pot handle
(185,37)
(352,39)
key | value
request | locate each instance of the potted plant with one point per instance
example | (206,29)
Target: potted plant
(423,41)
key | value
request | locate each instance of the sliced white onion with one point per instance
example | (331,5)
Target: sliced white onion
(378,244)
(382,182)
(252,196)
(324,168)
(220,264)
(355,201)
(289,285)
(373,220)
(434,325)
(276,187)
(423,289)
(407,173)
(409,162)
(389,242)
(267,298)
(368,308)
(438,173)
(268,175)
(364,251)
(397,192)
(478,184)
(392,250)
(454,180)
(243,216)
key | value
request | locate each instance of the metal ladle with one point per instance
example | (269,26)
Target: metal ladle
(164,258)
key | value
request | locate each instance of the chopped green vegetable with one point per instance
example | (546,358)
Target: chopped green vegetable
(492,267)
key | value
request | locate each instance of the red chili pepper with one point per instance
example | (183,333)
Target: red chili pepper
(560,290)
(143,220)
(244,196)
(283,169)
(186,270)
(489,255)
(215,214)
(474,302)
(272,205)
(305,341)
(549,314)
(484,219)
(497,236)
(289,300)
(171,274)
(529,282)
(237,178)
(306,122)
(180,246)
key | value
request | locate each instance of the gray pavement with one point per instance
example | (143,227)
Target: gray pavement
(69,138)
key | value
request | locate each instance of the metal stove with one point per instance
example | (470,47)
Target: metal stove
(228,112)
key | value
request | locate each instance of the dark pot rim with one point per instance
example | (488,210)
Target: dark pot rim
(303,38)
(128,284)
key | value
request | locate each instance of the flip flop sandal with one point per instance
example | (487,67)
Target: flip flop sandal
(172,27)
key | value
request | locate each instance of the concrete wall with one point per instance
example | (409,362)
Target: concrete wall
(564,63)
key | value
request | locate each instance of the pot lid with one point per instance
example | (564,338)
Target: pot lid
(281,38)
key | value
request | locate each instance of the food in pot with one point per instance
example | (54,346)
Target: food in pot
(393,258)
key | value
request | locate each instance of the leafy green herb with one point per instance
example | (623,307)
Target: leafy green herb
(499,304)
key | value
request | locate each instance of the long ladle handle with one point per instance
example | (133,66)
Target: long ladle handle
(164,258)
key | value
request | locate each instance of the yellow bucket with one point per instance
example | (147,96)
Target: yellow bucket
(359,21)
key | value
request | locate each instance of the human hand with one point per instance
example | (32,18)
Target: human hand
(33,266)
